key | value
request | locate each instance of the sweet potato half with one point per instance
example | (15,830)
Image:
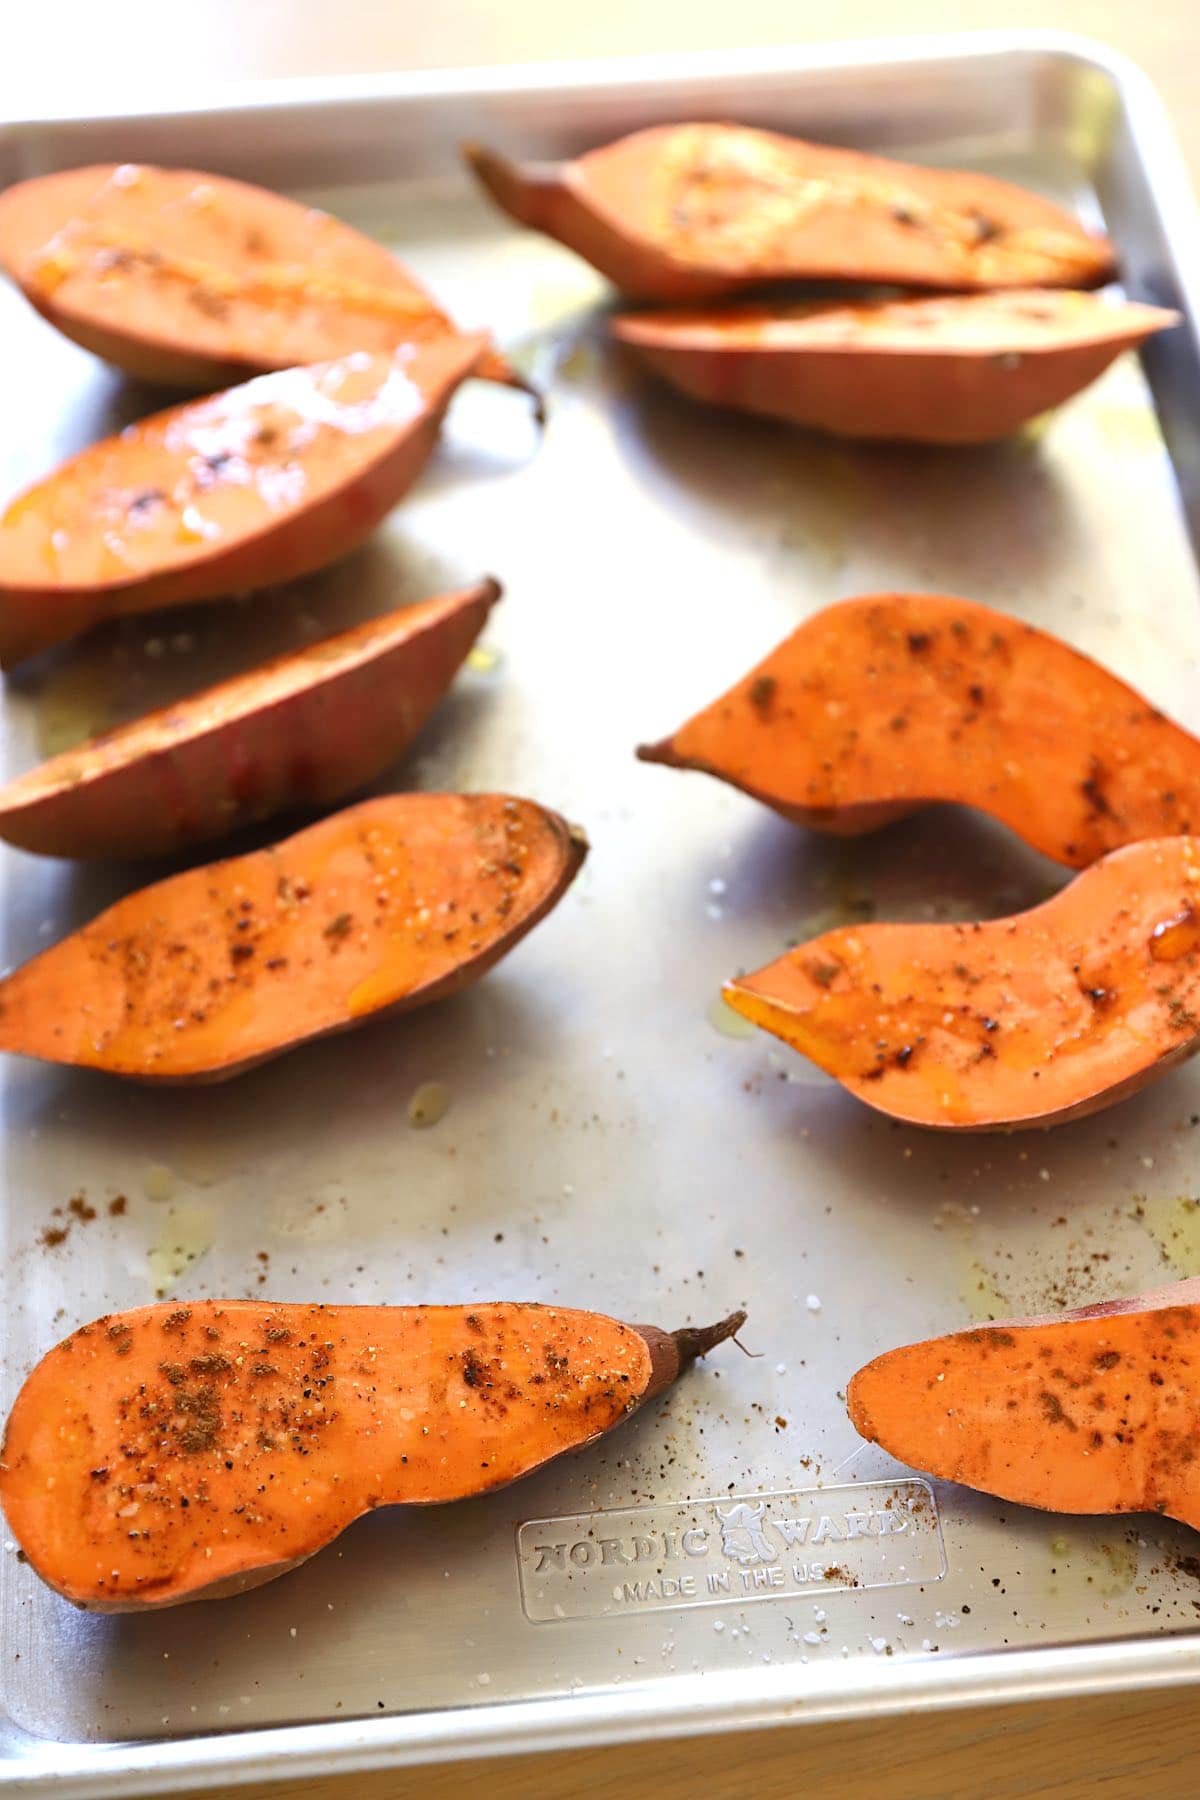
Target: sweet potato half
(1030,1020)
(255,486)
(879,705)
(692,211)
(190,1452)
(381,908)
(1093,1411)
(194,280)
(302,730)
(955,369)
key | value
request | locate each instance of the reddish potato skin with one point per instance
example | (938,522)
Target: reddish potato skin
(942,396)
(1022,730)
(628,209)
(157,333)
(297,543)
(553,199)
(360,699)
(178,369)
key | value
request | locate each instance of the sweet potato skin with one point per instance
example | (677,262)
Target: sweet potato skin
(303,730)
(178,1453)
(699,210)
(888,702)
(261,484)
(958,369)
(196,280)
(381,908)
(1026,1021)
(1090,1412)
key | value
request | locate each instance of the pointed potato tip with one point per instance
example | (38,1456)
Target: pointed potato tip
(645,330)
(499,174)
(661,752)
(692,1341)
(522,190)
(736,993)
(579,838)
(1159,318)
(671,1352)
(1102,269)
(1144,320)
(521,384)
(496,367)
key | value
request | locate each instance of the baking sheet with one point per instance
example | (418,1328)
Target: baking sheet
(608,1142)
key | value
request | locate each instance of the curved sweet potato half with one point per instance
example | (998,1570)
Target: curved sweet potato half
(189,1452)
(689,211)
(302,730)
(955,369)
(1029,1020)
(1094,1411)
(195,280)
(259,484)
(879,705)
(379,909)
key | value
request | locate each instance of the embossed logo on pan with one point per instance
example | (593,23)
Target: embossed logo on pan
(739,1548)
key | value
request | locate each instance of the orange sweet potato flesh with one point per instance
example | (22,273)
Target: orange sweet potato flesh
(955,369)
(195,280)
(303,730)
(182,1453)
(882,704)
(381,908)
(1029,1020)
(1094,1411)
(260,484)
(695,211)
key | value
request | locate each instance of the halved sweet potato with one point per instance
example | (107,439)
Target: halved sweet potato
(882,704)
(189,1452)
(1030,1020)
(258,485)
(195,280)
(690,211)
(1092,1411)
(302,730)
(955,369)
(378,909)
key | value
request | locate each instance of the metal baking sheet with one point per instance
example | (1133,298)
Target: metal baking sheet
(607,1142)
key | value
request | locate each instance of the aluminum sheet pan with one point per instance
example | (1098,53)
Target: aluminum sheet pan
(608,1144)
